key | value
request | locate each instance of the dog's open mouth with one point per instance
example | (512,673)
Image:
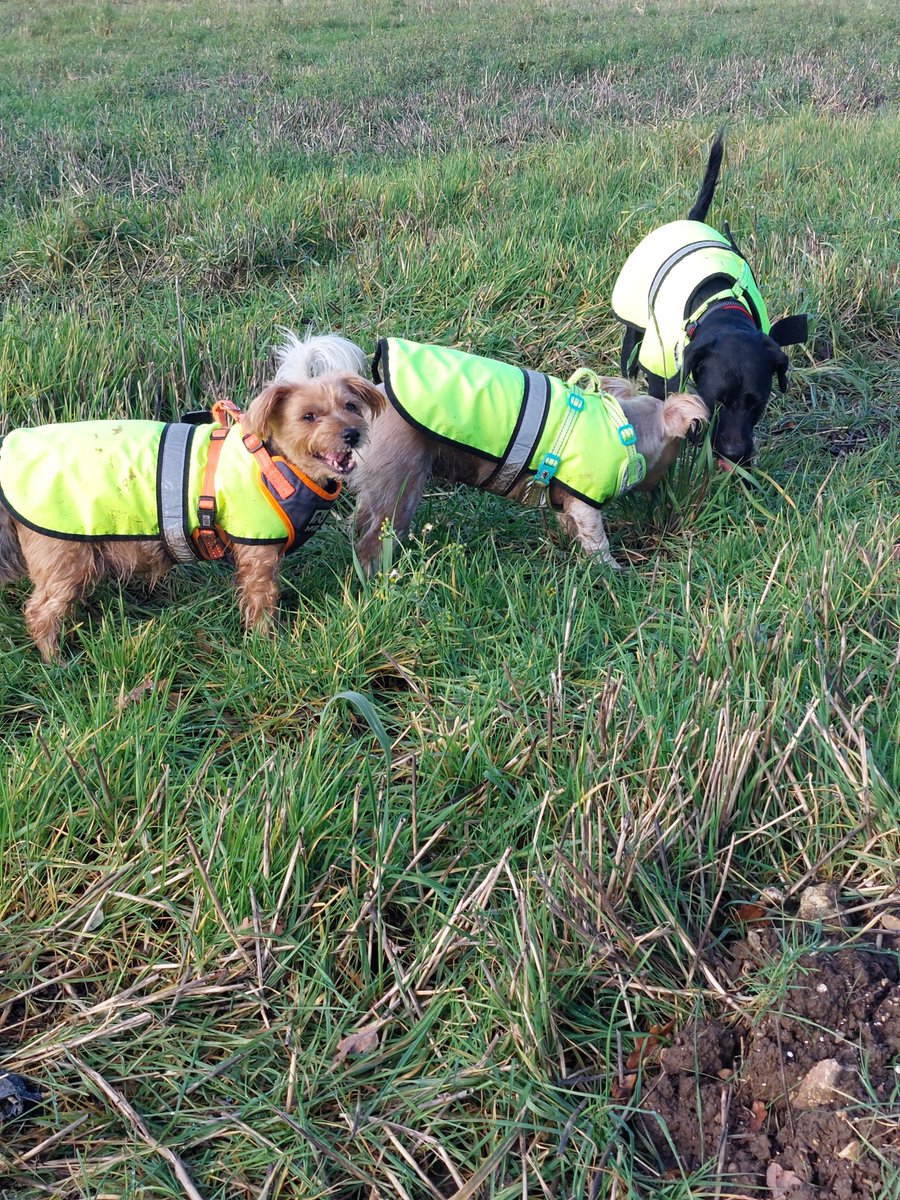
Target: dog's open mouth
(342,464)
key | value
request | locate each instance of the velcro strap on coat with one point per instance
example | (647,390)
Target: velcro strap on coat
(635,466)
(171,493)
(521,447)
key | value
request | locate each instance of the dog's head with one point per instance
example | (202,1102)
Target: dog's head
(660,427)
(316,424)
(733,371)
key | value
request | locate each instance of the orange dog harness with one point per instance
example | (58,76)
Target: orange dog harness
(301,504)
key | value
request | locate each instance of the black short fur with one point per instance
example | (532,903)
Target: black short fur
(710,179)
(730,361)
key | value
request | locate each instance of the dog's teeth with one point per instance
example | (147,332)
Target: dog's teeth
(342,463)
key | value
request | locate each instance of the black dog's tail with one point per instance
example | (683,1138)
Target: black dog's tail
(710,179)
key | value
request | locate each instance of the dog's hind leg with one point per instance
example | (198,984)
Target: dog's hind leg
(631,344)
(585,523)
(61,572)
(12,564)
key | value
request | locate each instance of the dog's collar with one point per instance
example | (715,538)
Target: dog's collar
(728,304)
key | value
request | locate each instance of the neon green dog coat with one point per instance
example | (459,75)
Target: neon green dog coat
(88,480)
(661,276)
(523,421)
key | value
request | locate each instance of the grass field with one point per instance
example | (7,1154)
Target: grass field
(525,846)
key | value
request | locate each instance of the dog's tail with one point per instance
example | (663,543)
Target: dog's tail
(710,179)
(318,355)
(12,564)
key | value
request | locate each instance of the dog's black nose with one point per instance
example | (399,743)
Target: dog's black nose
(351,437)
(735,451)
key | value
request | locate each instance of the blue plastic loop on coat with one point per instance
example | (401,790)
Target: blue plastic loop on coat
(627,435)
(548,467)
(575,401)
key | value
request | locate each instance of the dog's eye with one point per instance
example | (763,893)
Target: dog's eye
(308,416)
(351,407)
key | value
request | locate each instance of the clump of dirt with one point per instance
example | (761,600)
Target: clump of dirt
(802,1104)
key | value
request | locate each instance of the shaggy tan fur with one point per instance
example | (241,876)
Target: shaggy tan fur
(306,422)
(399,460)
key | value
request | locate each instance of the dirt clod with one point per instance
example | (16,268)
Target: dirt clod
(813,1086)
(820,1085)
(820,903)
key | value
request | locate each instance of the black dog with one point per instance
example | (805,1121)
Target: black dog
(691,308)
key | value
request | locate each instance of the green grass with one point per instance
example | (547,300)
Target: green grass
(210,876)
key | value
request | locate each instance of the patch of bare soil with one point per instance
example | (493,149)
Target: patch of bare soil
(803,1104)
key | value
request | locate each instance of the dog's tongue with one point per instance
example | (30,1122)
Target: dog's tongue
(724,464)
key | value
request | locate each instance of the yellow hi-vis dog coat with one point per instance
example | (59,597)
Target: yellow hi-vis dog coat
(655,289)
(523,421)
(115,480)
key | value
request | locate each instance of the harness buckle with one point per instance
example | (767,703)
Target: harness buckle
(206,513)
(548,467)
(626,433)
(575,401)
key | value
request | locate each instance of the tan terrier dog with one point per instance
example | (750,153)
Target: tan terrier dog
(515,432)
(88,499)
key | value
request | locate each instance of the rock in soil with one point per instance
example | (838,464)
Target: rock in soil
(16,1094)
(820,903)
(820,1086)
(813,1100)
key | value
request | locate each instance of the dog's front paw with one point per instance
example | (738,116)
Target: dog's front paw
(258,621)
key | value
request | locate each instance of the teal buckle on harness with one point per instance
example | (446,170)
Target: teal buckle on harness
(575,401)
(626,433)
(543,476)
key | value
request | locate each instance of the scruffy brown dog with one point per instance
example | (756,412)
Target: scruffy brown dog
(399,460)
(477,425)
(285,457)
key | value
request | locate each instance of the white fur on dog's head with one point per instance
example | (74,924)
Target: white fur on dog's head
(319,354)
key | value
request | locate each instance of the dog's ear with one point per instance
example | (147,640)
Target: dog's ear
(261,412)
(780,362)
(683,412)
(789,331)
(367,393)
(694,354)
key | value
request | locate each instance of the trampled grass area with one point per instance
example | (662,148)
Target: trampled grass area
(528,850)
